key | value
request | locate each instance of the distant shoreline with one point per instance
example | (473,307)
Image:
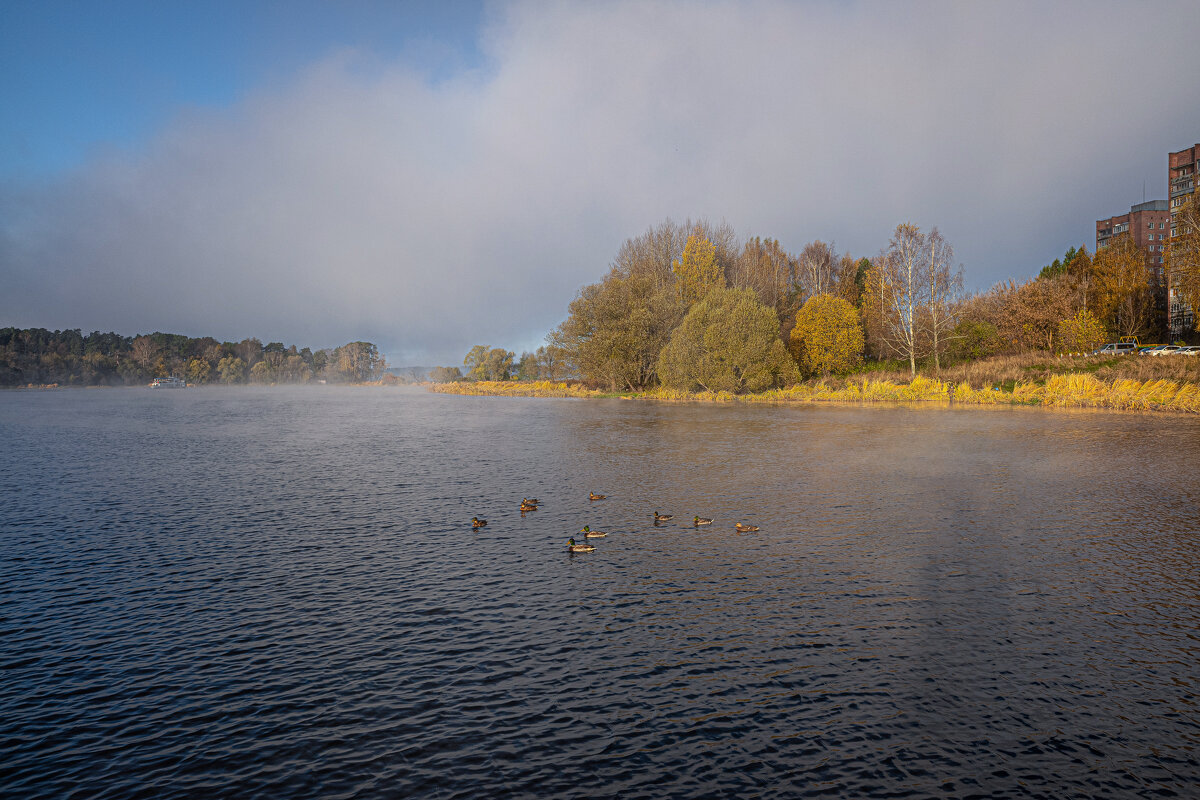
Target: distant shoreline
(1072,390)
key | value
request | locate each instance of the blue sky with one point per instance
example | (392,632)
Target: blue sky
(76,76)
(429,176)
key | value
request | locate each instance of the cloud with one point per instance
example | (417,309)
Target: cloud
(362,200)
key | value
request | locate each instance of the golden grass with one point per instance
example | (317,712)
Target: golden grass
(1071,390)
(517,389)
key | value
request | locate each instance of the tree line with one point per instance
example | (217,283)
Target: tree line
(690,306)
(72,358)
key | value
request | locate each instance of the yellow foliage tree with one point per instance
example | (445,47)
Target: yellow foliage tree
(827,336)
(1081,333)
(697,272)
(1121,291)
(198,370)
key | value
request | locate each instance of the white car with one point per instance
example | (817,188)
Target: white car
(1166,350)
(1194,350)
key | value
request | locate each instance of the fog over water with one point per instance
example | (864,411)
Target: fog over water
(277,593)
(368,196)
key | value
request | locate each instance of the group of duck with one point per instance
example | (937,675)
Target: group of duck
(531,504)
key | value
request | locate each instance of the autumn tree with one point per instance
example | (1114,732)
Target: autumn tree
(653,254)
(552,362)
(498,364)
(945,288)
(1081,333)
(356,362)
(697,270)
(873,306)
(145,352)
(231,369)
(904,289)
(728,341)
(528,367)
(262,372)
(616,329)
(974,339)
(445,374)
(827,336)
(1028,314)
(198,370)
(294,369)
(248,350)
(850,278)
(770,271)
(817,269)
(476,362)
(1122,296)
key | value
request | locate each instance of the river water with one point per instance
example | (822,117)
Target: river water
(277,593)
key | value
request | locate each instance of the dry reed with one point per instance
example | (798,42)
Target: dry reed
(1073,390)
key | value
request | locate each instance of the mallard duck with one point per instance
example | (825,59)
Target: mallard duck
(698,521)
(594,496)
(526,507)
(746,528)
(533,500)
(478,523)
(525,501)
(578,548)
(588,533)
(662,517)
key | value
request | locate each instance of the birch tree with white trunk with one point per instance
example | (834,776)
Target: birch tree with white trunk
(945,289)
(905,284)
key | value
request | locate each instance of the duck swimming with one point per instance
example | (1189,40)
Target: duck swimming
(746,528)
(698,521)
(578,548)
(588,533)
(478,523)
(594,496)
(662,517)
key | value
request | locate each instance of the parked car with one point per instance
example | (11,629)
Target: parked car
(1194,350)
(1167,350)
(1116,349)
(1148,350)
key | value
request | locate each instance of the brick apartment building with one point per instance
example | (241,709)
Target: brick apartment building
(1146,224)
(1181,182)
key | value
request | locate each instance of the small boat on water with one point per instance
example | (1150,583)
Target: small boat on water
(170,382)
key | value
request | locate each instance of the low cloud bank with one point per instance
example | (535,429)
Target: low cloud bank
(363,201)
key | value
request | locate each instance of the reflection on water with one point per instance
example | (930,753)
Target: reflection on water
(277,593)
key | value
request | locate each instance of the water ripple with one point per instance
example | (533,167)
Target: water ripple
(265,593)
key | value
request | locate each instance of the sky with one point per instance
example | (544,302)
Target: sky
(429,175)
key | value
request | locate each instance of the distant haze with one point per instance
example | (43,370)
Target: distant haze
(363,199)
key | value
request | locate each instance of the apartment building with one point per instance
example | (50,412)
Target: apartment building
(1146,223)
(1181,183)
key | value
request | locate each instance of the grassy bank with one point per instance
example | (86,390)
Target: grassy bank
(1058,383)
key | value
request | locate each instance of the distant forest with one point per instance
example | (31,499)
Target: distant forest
(71,358)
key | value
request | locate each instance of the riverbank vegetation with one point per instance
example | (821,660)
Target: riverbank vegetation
(1062,389)
(35,356)
(690,312)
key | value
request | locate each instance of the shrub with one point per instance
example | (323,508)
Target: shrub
(729,341)
(827,336)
